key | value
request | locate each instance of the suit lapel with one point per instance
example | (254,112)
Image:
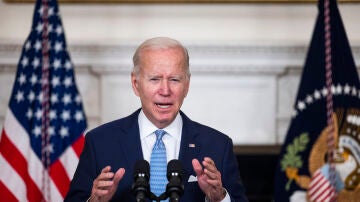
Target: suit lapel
(130,141)
(190,146)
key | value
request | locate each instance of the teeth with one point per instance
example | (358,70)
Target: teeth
(163,106)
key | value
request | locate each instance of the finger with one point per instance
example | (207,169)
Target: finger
(209,161)
(211,174)
(106,174)
(100,192)
(209,165)
(106,169)
(197,167)
(214,183)
(118,176)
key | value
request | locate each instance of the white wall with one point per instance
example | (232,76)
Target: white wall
(191,23)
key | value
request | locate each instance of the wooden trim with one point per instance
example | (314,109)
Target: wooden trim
(179,1)
(257,149)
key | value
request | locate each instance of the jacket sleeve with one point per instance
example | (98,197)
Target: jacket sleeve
(230,175)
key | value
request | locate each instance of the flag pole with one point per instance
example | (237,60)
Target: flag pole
(45,104)
(329,99)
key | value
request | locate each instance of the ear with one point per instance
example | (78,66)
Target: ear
(134,83)
(187,86)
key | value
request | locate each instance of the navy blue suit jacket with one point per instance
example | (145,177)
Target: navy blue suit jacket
(117,144)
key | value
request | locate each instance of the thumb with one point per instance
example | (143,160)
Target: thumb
(197,167)
(118,176)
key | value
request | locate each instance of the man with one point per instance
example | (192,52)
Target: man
(161,79)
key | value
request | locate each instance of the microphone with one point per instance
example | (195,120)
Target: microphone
(175,187)
(141,187)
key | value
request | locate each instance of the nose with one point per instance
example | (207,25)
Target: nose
(165,88)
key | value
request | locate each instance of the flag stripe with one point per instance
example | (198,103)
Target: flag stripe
(17,161)
(5,194)
(60,178)
(68,159)
(20,137)
(79,145)
(10,178)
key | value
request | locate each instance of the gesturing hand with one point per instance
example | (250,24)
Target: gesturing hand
(105,185)
(209,179)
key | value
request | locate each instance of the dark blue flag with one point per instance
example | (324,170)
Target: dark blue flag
(43,131)
(303,169)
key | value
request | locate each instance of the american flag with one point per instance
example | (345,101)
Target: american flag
(42,137)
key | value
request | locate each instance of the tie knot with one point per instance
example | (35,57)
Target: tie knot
(159,134)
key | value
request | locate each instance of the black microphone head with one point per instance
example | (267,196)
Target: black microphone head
(174,169)
(142,168)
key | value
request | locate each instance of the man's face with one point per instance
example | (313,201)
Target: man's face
(162,84)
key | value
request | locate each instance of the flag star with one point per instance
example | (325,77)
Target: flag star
(301,105)
(59,30)
(67,82)
(333,89)
(24,61)
(51,131)
(347,89)
(65,115)
(38,114)
(49,148)
(57,64)
(317,94)
(19,96)
(54,98)
(27,45)
(339,89)
(309,99)
(36,63)
(37,131)
(40,97)
(66,99)
(293,113)
(22,79)
(50,28)
(58,46)
(68,65)
(324,91)
(33,79)
(41,10)
(29,114)
(52,114)
(31,96)
(39,27)
(79,116)
(353,91)
(64,132)
(37,45)
(55,81)
(51,11)
(78,99)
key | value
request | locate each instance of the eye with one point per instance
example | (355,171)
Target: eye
(175,80)
(154,79)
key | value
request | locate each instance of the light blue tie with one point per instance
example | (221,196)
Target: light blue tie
(158,166)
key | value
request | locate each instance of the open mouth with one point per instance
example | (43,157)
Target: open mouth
(163,106)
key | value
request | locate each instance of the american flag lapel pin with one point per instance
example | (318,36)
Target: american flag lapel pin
(192,145)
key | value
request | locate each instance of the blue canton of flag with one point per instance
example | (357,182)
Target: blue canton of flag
(23,132)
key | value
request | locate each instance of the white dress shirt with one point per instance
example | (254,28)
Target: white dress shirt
(171,139)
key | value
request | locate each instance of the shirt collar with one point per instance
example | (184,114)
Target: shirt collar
(147,128)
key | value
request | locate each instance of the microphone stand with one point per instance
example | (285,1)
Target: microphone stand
(163,196)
